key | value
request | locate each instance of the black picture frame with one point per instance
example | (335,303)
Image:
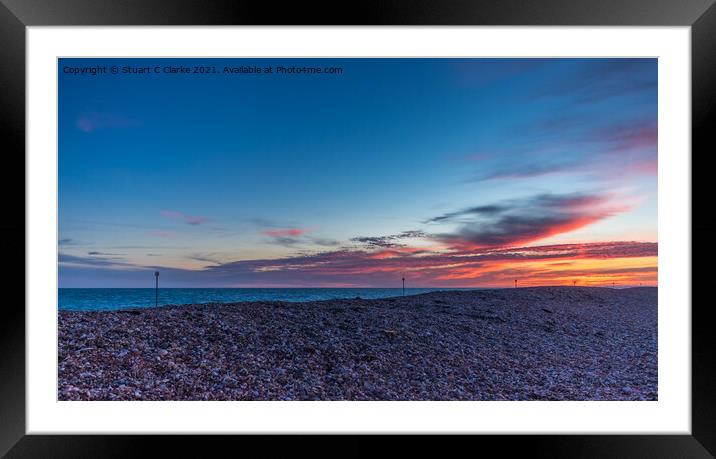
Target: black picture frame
(16,15)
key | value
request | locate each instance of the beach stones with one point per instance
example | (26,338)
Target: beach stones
(548,343)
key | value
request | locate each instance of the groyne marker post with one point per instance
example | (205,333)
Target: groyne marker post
(156,288)
(403,286)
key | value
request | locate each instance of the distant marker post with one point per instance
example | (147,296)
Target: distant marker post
(403,286)
(515,283)
(156,288)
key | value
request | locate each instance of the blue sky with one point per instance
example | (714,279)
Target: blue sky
(192,174)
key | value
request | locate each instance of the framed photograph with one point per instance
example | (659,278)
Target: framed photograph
(463,219)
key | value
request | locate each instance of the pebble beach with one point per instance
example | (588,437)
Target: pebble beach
(539,343)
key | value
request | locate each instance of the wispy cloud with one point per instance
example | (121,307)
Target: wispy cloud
(604,80)
(529,168)
(95,261)
(93,121)
(620,137)
(206,257)
(480,72)
(162,234)
(623,147)
(577,133)
(188,219)
(491,209)
(325,242)
(389,241)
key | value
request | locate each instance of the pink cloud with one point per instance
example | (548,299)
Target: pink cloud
(628,136)
(85,124)
(288,232)
(188,219)
(645,167)
(94,121)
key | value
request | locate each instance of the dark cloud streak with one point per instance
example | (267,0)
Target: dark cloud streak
(390,241)
(521,221)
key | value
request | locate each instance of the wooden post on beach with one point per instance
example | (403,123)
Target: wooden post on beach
(515,283)
(403,286)
(156,288)
(574,283)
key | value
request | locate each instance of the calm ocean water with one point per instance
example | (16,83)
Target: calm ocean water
(103,299)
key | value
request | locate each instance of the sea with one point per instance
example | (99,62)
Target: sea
(108,299)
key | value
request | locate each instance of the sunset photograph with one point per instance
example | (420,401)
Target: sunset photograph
(357,229)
